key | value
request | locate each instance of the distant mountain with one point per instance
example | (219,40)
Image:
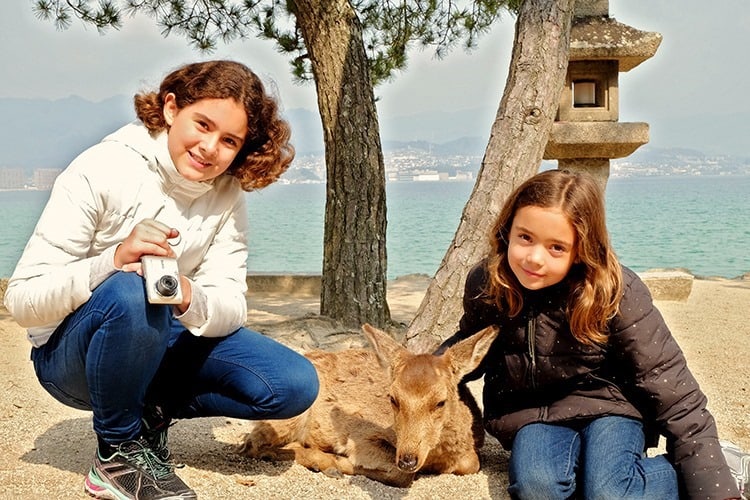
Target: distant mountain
(459,132)
(439,127)
(307,132)
(50,133)
(464,146)
(711,134)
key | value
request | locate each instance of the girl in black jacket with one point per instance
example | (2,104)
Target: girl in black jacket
(585,373)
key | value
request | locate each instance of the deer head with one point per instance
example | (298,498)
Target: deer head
(424,392)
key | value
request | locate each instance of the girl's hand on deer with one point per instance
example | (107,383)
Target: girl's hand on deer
(148,237)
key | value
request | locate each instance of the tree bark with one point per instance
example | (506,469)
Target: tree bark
(353,287)
(514,153)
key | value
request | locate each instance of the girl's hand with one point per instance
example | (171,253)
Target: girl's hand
(148,237)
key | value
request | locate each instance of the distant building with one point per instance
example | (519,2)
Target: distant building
(462,176)
(428,177)
(12,178)
(44,178)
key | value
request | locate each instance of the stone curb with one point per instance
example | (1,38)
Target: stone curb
(664,285)
(668,285)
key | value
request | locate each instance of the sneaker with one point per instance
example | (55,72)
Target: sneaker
(739,465)
(135,472)
(155,427)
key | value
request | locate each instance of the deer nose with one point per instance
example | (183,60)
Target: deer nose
(408,463)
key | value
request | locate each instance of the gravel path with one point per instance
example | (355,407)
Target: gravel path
(46,448)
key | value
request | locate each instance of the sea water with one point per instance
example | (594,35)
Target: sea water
(698,223)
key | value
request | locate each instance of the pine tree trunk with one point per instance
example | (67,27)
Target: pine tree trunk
(353,288)
(514,153)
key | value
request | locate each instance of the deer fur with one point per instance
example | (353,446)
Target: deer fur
(385,413)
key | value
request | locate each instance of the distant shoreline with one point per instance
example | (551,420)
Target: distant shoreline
(389,181)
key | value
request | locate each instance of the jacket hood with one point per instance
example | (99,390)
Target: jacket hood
(154,149)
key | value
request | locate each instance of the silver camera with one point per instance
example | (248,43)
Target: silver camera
(162,280)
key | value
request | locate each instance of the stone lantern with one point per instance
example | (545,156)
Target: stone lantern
(586,133)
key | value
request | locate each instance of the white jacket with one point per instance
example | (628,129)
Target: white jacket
(93,206)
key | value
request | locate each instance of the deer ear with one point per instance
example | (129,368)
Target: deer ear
(385,346)
(466,355)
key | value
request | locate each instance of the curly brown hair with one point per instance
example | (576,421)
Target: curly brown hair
(594,280)
(266,152)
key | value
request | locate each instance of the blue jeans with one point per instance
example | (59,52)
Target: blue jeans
(602,459)
(117,353)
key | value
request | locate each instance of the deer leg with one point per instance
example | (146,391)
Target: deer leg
(265,442)
(375,458)
(466,464)
(384,471)
(318,460)
(266,451)
(391,476)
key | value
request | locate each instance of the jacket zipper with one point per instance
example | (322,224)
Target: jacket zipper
(531,341)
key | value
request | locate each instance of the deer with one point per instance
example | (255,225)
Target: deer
(384,413)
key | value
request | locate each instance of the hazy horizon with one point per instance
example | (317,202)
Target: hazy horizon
(698,71)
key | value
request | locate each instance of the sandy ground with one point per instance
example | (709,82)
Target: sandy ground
(46,448)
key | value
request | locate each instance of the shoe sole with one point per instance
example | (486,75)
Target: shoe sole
(99,491)
(739,464)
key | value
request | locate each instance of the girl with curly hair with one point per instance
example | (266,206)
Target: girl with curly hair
(584,374)
(172,186)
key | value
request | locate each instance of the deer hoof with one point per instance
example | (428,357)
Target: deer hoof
(333,472)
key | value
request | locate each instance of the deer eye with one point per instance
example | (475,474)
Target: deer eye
(394,402)
(440,405)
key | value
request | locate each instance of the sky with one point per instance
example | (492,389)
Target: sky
(699,68)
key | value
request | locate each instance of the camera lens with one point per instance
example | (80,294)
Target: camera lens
(167,285)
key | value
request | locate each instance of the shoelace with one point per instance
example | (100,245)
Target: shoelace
(159,441)
(146,458)
(159,436)
(155,428)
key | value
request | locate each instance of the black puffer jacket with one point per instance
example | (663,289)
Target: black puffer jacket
(537,372)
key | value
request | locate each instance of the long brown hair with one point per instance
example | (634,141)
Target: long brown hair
(595,279)
(266,152)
